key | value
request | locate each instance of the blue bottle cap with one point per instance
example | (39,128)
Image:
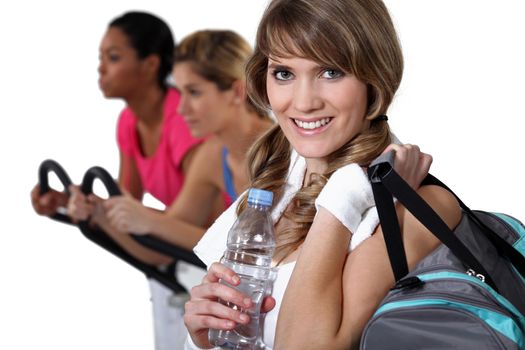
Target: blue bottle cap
(260,197)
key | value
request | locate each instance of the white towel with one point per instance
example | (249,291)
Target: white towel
(213,244)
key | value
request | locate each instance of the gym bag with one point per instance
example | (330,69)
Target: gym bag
(469,293)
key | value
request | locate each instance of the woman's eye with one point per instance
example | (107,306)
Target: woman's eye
(332,74)
(282,75)
(114,58)
(194,93)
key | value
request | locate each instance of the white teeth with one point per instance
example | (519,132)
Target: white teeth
(312,125)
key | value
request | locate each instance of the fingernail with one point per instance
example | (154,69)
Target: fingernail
(236,279)
(247,301)
(244,318)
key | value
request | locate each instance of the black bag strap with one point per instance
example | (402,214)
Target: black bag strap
(391,230)
(504,248)
(387,183)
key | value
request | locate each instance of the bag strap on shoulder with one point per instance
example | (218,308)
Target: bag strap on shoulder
(387,183)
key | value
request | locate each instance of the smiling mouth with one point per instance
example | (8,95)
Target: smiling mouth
(312,125)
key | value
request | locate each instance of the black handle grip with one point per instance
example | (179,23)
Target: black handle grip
(102,239)
(103,175)
(45,168)
(148,241)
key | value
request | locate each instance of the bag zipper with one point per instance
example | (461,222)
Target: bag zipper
(515,320)
(518,233)
(456,276)
(502,219)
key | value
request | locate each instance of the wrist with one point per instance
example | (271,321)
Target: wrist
(347,195)
(149,220)
(190,344)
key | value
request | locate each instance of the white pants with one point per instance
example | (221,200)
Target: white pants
(168,308)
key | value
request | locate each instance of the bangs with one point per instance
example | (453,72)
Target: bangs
(299,31)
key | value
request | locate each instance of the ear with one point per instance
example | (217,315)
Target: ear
(151,64)
(239,91)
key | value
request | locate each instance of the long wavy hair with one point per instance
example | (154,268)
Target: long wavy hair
(354,36)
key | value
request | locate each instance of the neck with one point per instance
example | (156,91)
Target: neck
(238,138)
(314,165)
(147,105)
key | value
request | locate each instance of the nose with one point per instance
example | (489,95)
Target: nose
(101,67)
(182,108)
(306,97)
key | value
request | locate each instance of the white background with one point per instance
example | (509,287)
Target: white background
(461,100)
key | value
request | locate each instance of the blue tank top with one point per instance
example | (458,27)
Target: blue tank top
(228,178)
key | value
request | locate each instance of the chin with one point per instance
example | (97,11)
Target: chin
(107,94)
(196,134)
(312,152)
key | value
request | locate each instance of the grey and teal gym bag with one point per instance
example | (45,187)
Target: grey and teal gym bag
(469,293)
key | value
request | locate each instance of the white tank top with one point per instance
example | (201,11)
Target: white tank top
(213,244)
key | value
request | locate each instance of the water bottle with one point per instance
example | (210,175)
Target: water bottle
(250,247)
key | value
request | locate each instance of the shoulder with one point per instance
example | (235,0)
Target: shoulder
(207,160)
(213,243)
(418,239)
(126,119)
(443,202)
(126,130)
(210,153)
(212,146)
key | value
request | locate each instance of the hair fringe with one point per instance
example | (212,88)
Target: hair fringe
(356,36)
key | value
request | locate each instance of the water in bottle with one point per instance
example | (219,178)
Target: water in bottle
(250,247)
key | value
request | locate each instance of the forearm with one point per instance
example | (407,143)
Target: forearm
(335,298)
(126,242)
(314,294)
(174,230)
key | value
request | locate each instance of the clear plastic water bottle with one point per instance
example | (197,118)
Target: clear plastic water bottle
(250,247)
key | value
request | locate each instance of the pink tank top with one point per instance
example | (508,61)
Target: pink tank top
(161,174)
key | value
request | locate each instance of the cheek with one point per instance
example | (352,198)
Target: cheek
(275,96)
(353,104)
(122,75)
(205,108)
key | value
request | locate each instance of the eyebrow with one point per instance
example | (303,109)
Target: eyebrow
(111,49)
(189,86)
(277,66)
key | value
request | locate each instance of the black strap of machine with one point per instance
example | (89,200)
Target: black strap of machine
(148,241)
(101,238)
(45,168)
